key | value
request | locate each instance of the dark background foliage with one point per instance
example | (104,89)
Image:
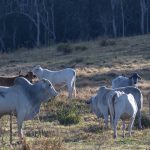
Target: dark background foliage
(31,23)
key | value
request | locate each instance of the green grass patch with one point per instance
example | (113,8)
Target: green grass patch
(107,42)
(81,48)
(68,115)
(145,121)
(65,48)
(125,141)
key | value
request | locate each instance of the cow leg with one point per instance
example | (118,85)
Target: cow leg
(123,127)
(131,125)
(11,128)
(70,90)
(74,89)
(99,121)
(115,128)
(115,123)
(106,119)
(0,130)
(69,94)
(19,123)
(139,119)
(111,121)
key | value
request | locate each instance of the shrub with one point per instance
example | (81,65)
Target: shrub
(80,48)
(65,48)
(77,60)
(94,129)
(68,115)
(145,121)
(106,42)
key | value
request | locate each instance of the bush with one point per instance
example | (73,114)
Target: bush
(68,115)
(145,121)
(106,42)
(80,48)
(65,48)
(77,60)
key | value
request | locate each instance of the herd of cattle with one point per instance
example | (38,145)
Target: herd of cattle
(22,98)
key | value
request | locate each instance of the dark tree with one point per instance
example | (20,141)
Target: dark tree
(34,23)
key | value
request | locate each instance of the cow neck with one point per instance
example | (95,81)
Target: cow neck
(34,92)
(104,96)
(33,112)
(130,82)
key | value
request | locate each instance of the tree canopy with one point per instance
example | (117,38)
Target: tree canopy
(30,23)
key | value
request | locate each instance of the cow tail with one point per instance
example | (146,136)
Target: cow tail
(74,84)
(112,106)
(113,102)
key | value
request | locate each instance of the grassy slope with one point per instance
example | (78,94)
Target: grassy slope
(95,67)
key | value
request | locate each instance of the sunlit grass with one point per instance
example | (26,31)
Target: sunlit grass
(96,65)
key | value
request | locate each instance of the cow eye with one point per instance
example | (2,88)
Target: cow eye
(49,85)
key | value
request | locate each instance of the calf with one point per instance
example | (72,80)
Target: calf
(62,77)
(9,81)
(122,81)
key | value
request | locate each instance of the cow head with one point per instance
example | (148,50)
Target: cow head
(48,92)
(93,104)
(37,71)
(134,78)
(90,103)
(29,76)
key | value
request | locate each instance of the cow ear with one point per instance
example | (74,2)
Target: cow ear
(19,72)
(139,77)
(30,74)
(123,75)
(130,77)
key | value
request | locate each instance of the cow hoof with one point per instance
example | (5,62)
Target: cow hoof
(140,128)
(115,136)
(105,128)
(132,132)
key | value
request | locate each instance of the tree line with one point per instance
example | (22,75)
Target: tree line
(34,23)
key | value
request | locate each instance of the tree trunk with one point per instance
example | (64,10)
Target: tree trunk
(53,21)
(122,15)
(143,7)
(38,30)
(14,37)
(147,20)
(38,25)
(113,18)
(2,45)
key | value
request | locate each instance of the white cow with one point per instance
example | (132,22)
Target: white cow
(99,106)
(23,99)
(122,106)
(99,103)
(122,81)
(62,77)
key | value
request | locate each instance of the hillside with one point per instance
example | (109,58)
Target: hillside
(97,63)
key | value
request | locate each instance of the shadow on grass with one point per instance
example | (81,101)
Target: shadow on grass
(94,129)
(47,118)
(99,79)
(42,133)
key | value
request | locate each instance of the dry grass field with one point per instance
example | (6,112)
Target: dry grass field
(96,63)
